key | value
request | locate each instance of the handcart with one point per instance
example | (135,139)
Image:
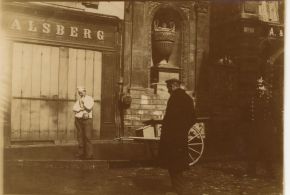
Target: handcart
(150,135)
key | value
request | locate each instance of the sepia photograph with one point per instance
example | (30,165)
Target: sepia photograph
(142,97)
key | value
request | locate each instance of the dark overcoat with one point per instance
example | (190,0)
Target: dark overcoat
(178,119)
(261,135)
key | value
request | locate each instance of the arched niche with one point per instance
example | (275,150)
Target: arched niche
(180,62)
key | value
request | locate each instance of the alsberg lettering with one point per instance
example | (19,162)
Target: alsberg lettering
(57,29)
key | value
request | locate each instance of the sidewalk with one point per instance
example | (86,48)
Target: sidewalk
(84,178)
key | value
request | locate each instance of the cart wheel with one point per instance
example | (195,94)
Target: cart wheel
(195,143)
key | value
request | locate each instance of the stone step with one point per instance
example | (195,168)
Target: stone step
(103,150)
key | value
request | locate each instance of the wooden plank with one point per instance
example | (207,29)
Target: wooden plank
(53,93)
(35,116)
(54,65)
(36,71)
(24,135)
(35,135)
(44,135)
(16,118)
(45,71)
(16,69)
(62,119)
(97,75)
(89,77)
(97,94)
(5,88)
(45,92)
(44,120)
(96,120)
(63,93)
(72,84)
(63,73)
(15,135)
(26,70)
(71,130)
(53,119)
(35,92)
(81,68)
(27,135)
(72,72)
(25,117)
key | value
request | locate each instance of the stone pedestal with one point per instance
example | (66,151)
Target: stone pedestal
(162,73)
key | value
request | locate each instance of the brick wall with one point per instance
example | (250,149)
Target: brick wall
(145,105)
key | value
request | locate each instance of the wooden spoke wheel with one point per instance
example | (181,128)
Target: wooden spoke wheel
(195,143)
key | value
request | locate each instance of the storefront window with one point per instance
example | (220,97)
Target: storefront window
(268,11)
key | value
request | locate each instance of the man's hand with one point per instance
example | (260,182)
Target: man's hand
(85,115)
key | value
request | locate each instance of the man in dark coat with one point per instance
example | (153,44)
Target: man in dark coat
(262,129)
(173,149)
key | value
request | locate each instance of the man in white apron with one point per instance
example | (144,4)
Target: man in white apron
(84,121)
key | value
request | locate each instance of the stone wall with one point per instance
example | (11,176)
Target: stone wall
(193,62)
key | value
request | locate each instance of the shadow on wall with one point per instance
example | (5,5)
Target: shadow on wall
(203,107)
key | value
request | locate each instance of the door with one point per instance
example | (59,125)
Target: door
(44,81)
(109,95)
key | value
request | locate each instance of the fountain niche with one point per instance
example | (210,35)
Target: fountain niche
(165,46)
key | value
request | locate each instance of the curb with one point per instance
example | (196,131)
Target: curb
(78,164)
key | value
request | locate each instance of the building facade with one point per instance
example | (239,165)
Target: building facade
(163,40)
(123,57)
(51,48)
(247,41)
(54,47)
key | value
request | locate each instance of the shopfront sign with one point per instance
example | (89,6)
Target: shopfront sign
(265,30)
(249,29)
(60,30)
(275,31)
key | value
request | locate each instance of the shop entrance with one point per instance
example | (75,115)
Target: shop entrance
(44,81)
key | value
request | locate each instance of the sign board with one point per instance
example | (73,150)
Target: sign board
(275,31)
(54,29)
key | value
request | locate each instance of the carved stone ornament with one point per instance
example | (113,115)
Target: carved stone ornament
(163,39)
(152,6)
(186,11)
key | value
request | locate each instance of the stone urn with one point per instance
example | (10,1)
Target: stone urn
(163,42)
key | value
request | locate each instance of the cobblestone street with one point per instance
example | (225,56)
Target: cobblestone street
(204,178)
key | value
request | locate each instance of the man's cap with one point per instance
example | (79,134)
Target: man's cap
(260,80)
(81,88)
(170,81)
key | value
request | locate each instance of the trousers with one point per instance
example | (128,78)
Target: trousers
(177,181)
(84,132)
(260,147)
